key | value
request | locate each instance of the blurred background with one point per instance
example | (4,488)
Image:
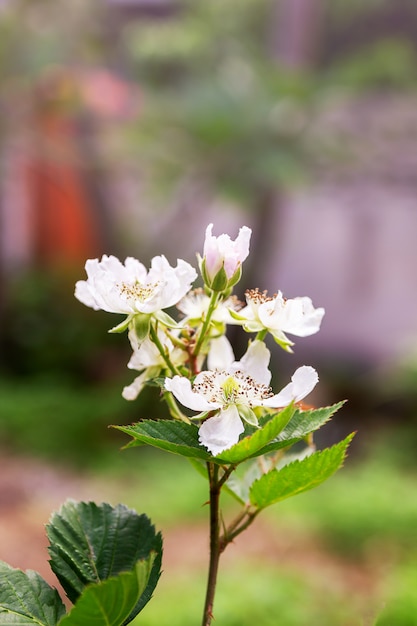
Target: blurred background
(126,127)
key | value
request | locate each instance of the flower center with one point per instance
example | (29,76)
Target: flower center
(239,388)
(136,291)
(259,297)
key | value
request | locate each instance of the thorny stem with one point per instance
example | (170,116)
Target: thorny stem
(203,331)
(218,543)
(215,487)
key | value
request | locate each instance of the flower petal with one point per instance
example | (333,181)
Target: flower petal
(220,355)
(300,318)
(180,386)
(221,431)
(255,362)
(303,381)
(131,392)
(221,251)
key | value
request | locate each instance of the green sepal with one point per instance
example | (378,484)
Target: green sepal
(247,414)
(220,281)
(236,315)
(141,324)
(111,602)
(285,344)
(166,319)
(203,270)
(120,328)
(235,278)
(299,476)
(26,598)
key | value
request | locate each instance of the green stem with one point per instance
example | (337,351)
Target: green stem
(173,408)
(261,334)
(203,330)
(213,473)
(162,351)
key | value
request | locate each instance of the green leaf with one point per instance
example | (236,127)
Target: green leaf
(250,446)
(90,543)
(181,438)
(26,598)
(298,476)
(170,435)
(112,602)
(301,424)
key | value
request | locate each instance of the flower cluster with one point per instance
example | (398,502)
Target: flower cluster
(192,353)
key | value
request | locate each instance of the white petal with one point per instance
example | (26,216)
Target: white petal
(131,392)
(219,251)
(303,381)
(300,318)
(220,355)
(255,362)
(145,353)
(222,431)
(84,295)
(180,386)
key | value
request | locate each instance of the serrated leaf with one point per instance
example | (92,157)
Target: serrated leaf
(90,543)
(250,446)
(26,598)
(111,602)
(300,425)
(298,476)
(170,435)
(238,485)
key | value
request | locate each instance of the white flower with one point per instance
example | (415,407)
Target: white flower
(128,288)
(232,393)
(147,359)
(278,316)
(222,258)
(194,307)
(195,304)
(220,353)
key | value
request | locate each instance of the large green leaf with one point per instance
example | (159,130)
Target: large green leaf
(251,445)
(298,476)
(111,602)
(300,425)
(180,438)
(26,598)
(170,435)
(90,543)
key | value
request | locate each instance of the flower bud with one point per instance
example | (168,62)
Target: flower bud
(222,258)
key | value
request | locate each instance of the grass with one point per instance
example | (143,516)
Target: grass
(249,593)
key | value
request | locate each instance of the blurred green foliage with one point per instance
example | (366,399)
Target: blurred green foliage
(47,333)
(364,520)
